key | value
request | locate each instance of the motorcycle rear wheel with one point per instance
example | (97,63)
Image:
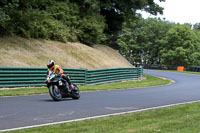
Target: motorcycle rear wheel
(75,93)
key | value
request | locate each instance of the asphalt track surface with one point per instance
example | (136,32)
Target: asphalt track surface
(23,111)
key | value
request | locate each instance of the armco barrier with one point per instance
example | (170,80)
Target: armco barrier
(21,76)
(100,76)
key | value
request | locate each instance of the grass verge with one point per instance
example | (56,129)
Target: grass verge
(149,81)
(188,72)
(175,119)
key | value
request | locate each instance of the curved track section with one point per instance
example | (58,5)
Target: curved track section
(23,111)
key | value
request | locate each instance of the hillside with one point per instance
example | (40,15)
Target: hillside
(20,52)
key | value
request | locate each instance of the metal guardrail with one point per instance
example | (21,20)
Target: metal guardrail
(21,76)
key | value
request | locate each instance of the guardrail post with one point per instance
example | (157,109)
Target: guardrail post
(86,76)
(140,72)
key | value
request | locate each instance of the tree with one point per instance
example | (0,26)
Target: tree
(181,47)
(117,12)
(197,26)
(141,40)
(87,21)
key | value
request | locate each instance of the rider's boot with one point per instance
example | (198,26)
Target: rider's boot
(71,86)
(68,88)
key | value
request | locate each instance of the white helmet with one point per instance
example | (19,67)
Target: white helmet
(51,63)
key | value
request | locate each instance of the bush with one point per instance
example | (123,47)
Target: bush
(51,19)
(91,28)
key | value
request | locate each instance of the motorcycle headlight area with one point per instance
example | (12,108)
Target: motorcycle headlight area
(60,83)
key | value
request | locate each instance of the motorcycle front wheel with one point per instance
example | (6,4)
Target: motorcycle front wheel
(55,93)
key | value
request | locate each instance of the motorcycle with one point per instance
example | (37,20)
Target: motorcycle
(59,88)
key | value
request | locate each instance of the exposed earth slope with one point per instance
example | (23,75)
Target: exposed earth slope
(20,52)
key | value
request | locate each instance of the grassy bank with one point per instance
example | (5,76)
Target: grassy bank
(21,52)
(148,81)
(175,119)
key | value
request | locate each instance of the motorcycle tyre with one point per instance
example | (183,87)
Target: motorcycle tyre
(52,91)
(75,93)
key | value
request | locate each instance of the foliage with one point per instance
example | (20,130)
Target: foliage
(117,12)
(197,26)
(181,47)
(141,40)
(158,42)
(31,19)
(49,19)
(88,21)
(91,28)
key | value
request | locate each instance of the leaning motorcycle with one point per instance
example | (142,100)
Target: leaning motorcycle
(59,88)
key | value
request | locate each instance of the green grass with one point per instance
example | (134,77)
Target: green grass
(188,72)
(175,119)
(149,81)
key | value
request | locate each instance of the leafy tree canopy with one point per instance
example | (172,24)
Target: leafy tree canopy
(73,20)
(181,47)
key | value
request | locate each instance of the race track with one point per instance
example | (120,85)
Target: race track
(23,111)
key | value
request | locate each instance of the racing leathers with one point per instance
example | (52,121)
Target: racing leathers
(59,71)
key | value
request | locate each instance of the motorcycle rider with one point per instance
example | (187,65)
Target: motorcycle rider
(59,72)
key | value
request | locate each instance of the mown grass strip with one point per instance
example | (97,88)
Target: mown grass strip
(188,72)
(174,119)
(148,81)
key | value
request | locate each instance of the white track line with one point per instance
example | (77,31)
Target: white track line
(94,117)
